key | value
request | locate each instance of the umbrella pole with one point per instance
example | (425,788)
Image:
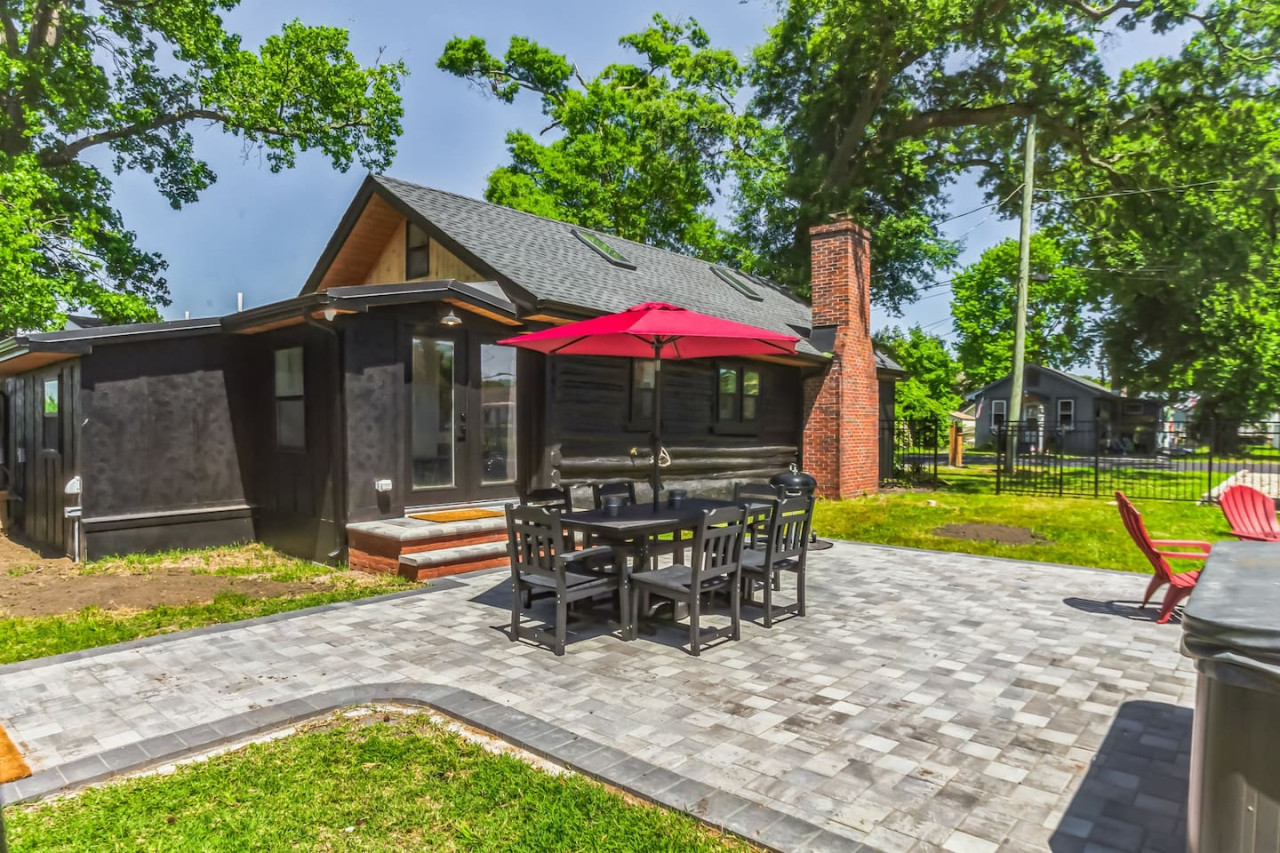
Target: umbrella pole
(656,435)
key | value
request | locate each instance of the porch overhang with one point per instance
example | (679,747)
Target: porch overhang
(39,349)
(486,299)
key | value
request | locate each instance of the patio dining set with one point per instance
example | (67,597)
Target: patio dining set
(682,553)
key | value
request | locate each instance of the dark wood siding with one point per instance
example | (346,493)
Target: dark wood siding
(291,490)
(38,474)
(160,460)
(590,437)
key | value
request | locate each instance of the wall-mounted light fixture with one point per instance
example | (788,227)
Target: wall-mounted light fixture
(330,314)
(451,318)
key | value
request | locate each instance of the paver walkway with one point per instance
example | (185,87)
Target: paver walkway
(928,701)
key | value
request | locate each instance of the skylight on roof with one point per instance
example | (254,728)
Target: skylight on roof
(738,283)
(603,249)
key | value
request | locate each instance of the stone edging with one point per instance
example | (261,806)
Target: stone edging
(722,810)
(221,627)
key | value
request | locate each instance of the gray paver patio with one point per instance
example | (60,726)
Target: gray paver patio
(928,701)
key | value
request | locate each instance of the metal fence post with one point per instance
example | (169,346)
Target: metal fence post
(1213,434)
(999,460)
(1097,459)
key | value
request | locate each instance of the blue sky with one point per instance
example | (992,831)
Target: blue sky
(260,233)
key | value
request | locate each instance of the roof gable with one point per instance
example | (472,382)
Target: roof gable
(545,258)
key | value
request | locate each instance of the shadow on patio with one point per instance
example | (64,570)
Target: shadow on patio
(1134,796)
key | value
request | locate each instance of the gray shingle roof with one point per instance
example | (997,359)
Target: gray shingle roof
(545,258)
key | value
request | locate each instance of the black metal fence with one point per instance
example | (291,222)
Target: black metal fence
(1165,461)
(909,451)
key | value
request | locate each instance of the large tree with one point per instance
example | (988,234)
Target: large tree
(129,80)
(1181,230)
(984,296)
(640,149)
(931,387)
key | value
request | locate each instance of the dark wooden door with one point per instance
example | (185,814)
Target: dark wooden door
(42,452)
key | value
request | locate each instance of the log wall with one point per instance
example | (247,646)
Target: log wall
(590,436)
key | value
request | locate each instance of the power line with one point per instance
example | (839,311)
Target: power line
(1138,191)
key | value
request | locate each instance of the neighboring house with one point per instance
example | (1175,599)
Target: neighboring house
(1067,413)
(380,389)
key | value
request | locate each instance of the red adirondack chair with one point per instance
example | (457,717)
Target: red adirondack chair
(1180,583)
(1251,514)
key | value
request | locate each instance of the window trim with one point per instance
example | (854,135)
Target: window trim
(277,398)
(1003,406)
(409,248)
(1070,423)
(739,425)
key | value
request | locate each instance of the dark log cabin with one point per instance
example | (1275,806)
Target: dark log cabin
(318,424)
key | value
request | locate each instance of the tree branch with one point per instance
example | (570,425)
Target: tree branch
(63,153)
(42,17)
(11,35)
(1096,14)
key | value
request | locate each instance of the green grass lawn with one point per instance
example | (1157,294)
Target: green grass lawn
(1080,531)
(22,638)
(378,784)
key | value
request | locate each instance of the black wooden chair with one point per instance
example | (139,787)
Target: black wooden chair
(552,498)
(743,492)
(759,499)
(540,561)
(716,562)
(623,488)
(786,549)
(654,547)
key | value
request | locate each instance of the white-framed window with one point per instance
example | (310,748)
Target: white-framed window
(998,410)
(1067,414)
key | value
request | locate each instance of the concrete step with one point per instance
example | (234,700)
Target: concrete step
(439,562)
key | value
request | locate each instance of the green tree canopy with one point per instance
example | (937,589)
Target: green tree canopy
(931,389)
(132,78)
(640,150)
(1180,229)
(984,298)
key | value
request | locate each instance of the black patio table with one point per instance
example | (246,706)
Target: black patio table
(629,530)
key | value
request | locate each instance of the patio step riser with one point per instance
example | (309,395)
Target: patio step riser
(379,555)
(430,573)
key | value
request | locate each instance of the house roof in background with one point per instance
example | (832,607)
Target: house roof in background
(1087,384)
(545,258)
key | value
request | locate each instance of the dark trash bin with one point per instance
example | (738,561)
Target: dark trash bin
(1231,628)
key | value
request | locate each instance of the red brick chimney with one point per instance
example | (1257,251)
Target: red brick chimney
(842,421)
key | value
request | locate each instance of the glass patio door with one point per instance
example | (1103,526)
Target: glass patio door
(462,419)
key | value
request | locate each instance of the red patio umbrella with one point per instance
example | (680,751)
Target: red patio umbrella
(659,331)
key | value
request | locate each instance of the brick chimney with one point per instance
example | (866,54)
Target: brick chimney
(841,406)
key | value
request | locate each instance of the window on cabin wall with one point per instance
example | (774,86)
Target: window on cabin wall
(644,380)
(50,425)
(417,254)
(291,415)
(737,398)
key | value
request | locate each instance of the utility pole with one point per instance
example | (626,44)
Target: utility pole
(1020,318)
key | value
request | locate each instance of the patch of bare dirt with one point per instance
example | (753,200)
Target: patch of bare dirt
(39,594)
(1003,533)
(32,585)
